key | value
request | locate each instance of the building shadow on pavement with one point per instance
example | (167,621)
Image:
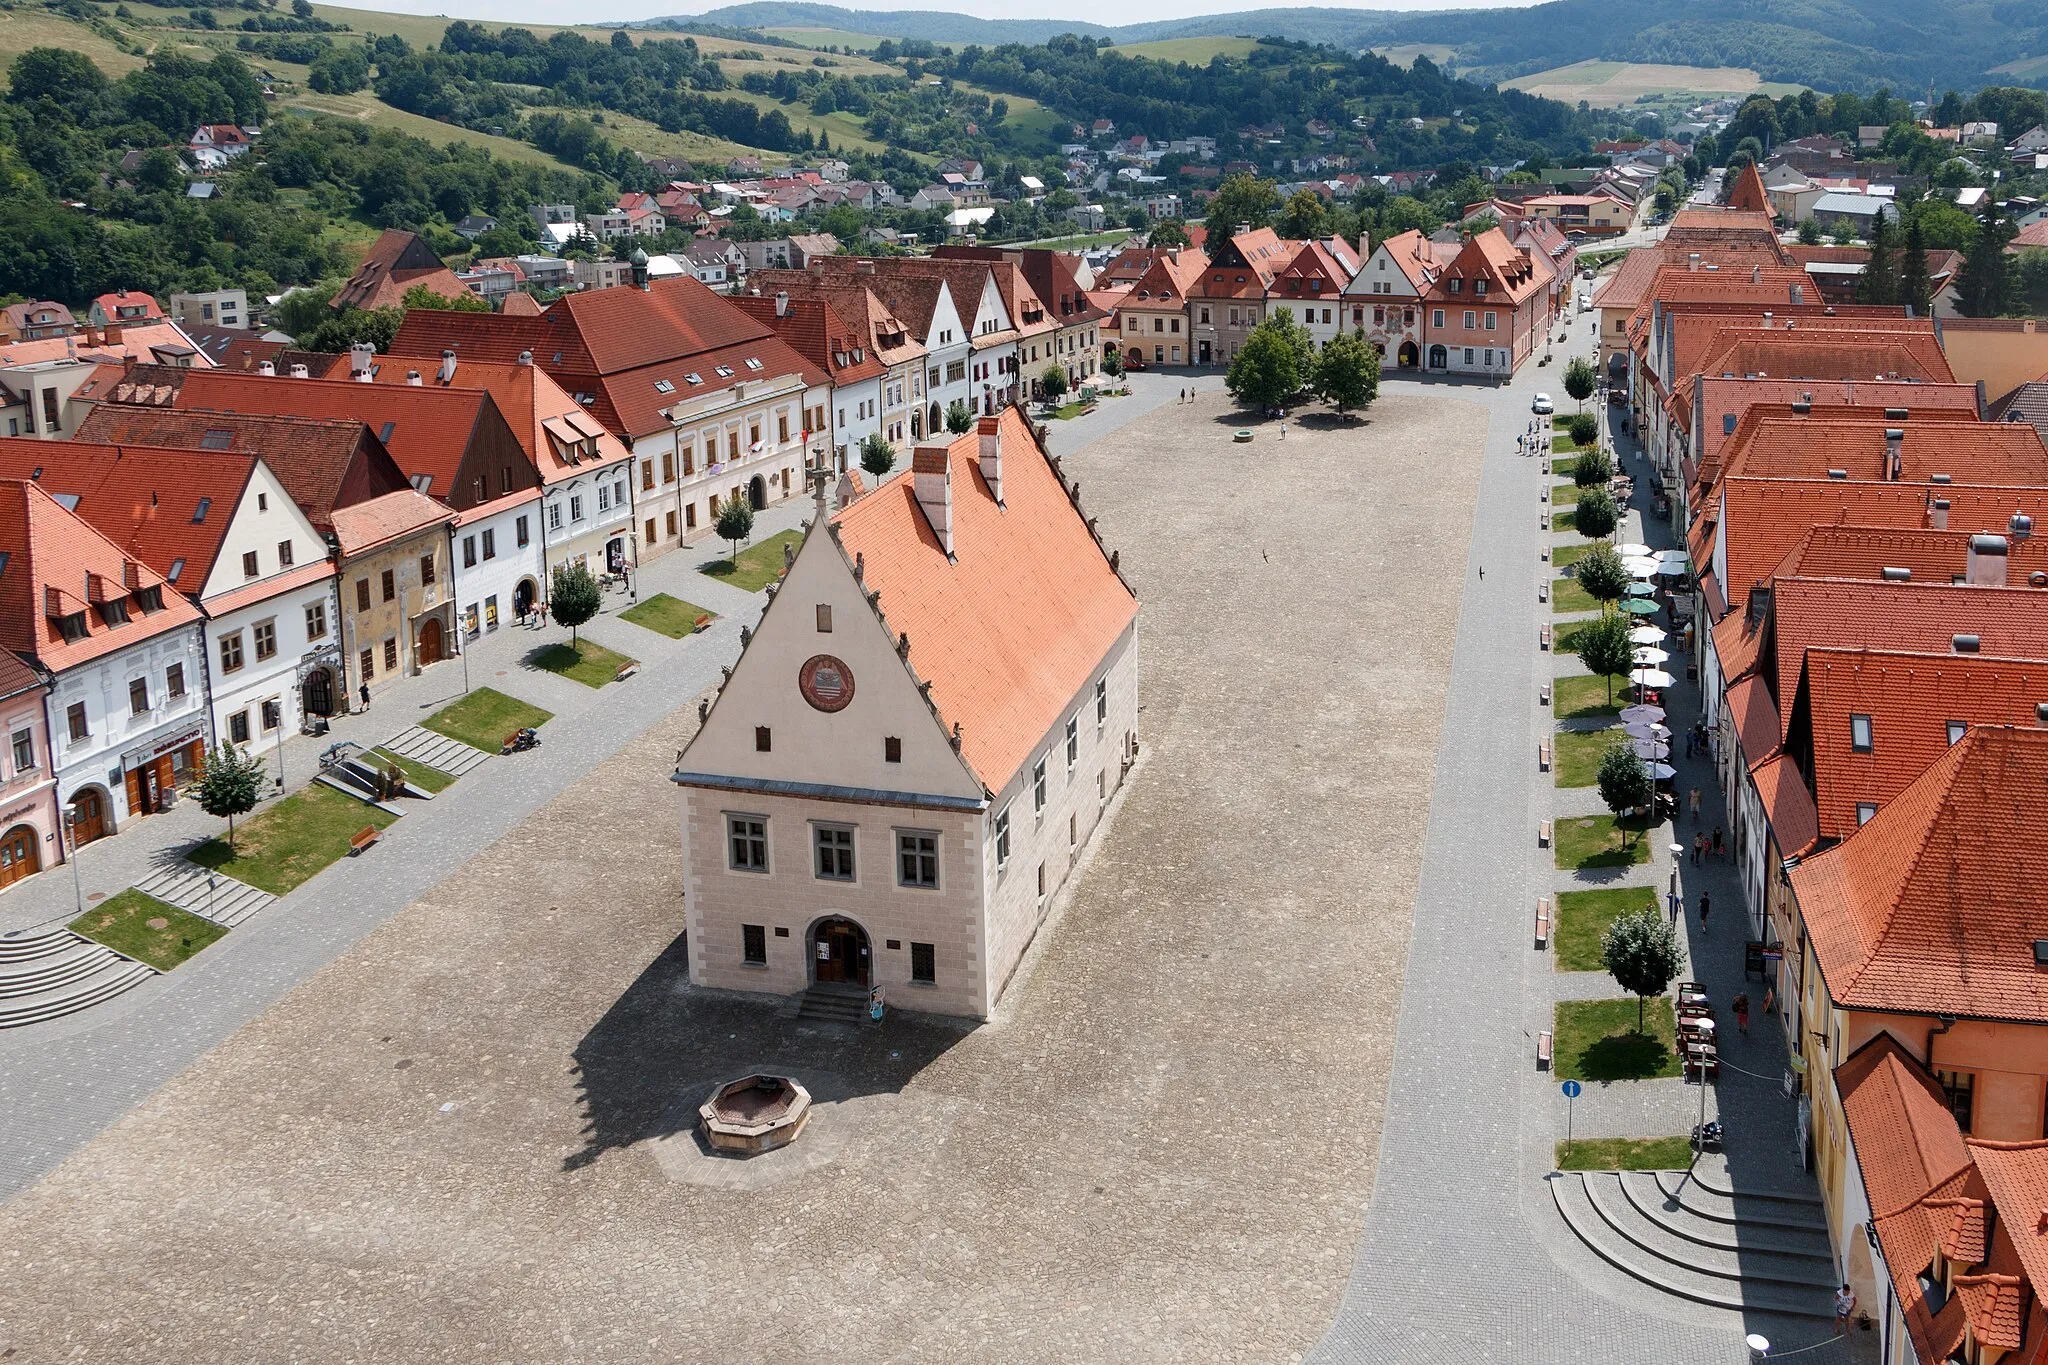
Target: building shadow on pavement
(641,1068)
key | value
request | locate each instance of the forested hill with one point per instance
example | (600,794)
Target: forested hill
(1828,44)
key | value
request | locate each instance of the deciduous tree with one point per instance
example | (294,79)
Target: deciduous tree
(877,457)
(1640,951)
(1267,372)
(1053,382)
(1583,428)
(1604,647)
(1601,573)
(1595,516)
(229,783)
(1580,379)
(1347,372)
(1592,467)
(959,417)
(575,596)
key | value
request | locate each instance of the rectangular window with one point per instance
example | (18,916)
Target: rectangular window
(1492,320)
(1956,730)
(174,681)
(1859,734)
(273,715)
(426,568)
(1002,832)
(555,517)
(1468,317)
(690,516)
(469,552)
(391,654)
(748,835)
(265,635)
(1866,811)
(284,554)
(231,652)
(368,663)
(892,749)
(238,727)
(647,472)
(519,533)
(138,696)
(575,507)
(835,853)
(74,714)
(1073,742)
(1959,1089)
(764,740)
(316,620)
(689,460)
(24,751)
(923,964)
(362,594)
(490,544)
(650,529)
(390,584)
(917,859)
(754,944)
(249,567)
(604,497)
(1436,317)
(1038,785)
(1101,702)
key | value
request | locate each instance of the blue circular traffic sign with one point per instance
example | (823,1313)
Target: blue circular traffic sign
(1571,1090)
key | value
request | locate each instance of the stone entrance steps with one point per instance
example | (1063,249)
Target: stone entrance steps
(229,903)
(51,974)
(1700,1243)
(422,745)
(838,1007)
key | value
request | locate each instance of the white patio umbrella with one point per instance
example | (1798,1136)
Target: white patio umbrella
(1650,677)
(1641,714)
(1650,749)
(1650,654)
(1646,729)
(1641,566)
(1662,772)
(1631,549)
(1678,557)
(1648,635)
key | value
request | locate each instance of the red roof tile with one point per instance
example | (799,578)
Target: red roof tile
(397,262)
(364,526)
(1968,451)
(1788,805)
(1747,194)
(1749,401)
(1927,556)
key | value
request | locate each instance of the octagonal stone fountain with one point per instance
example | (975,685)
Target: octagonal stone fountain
(754,1114)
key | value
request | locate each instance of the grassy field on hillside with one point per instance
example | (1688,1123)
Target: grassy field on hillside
(22,29)
(1404,54)
(1620,84)
(828,37)
(1193,51)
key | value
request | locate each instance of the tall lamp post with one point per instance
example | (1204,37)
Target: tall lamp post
(71,833)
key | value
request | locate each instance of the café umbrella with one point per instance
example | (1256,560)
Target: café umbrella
(1650,677)
(1631,549)
(1646,729)
(1642,714)
(1640,606)
(1650,654)
(1662,772)
(1648,635)
(1650,748)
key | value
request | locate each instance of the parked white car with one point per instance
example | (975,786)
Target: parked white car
(1542,407)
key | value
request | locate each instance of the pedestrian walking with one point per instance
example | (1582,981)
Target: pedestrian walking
(1694,797)
(1845,1304)
(1699,847)
(1283,430)
(1482,573)
(1718,850)
(1688,744)
(1677,904)
(1706,904)
(1770,998)
(365,692)
(1741,1006)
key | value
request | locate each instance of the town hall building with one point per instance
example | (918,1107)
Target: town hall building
(918,741)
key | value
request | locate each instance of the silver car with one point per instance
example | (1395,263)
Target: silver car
(1542,407)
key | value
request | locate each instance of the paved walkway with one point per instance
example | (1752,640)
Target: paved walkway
(1464,1258)
(62,1082)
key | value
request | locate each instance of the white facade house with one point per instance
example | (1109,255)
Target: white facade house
(1384,298)
(497,554)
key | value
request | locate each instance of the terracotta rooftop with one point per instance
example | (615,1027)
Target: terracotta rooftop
(551,427)
(1788,805)
(1933,906)
(838,349)
(364,526)
(1783,445)
(1747,195)
(1927,556)
(2016,1175)
(397,262)
(1010,628)
(1730,402)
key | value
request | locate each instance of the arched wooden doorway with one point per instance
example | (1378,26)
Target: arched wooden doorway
(757,493)
(1409,356)
(934,421)
(21,854)
(89,816)
(523,596)
(316,698)
(429,648)
(839,953)
(1439,358)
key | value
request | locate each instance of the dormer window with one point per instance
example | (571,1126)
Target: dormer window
(71,626)
(664,386)
(1479,286)
(1457,285)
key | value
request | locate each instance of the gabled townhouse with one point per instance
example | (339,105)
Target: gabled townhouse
(31,828)
(1488,308)
(397,594)
(397,263)
(1385,296)
(1310,289)
(222,530)
(214,145)
(38,320)
(1002,316)
(1152,316)
(839,349)
(670,369)
(1592,214)
(925,299)
(887,340)
(1074,341)
(121,651)
(1230,299)
(124,308)
(919,741)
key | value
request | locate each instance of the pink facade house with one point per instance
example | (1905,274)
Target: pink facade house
(28,782)
(1488,308)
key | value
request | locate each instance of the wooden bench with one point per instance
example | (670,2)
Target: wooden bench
(1543,591)
(363,838)
(1542,921)
(1543,495)
(1543,835)
(1543,521)
(1546,637)
(1546,469)
(1543,1048)
(1543,758)
(1546,554)
(626,670)
(1546,694)
(701,623)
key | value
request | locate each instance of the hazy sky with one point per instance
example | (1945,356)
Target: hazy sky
(611,11)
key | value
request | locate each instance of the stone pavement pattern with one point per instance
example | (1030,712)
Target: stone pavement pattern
(449,1143)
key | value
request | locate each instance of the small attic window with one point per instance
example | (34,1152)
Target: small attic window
(725,371)
(384,432)
(177,567)
(218,438)
(199,512)
(753,364)
(422,482)
(693,378)
(663,386)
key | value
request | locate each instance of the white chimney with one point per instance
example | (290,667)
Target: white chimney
(265,367)
(1756,274)
(446,374)
(300,372)
(1692,262)
(1986,564)
(991,429)
(1937,514)
(931,469)
(782,303)
(412,377)
(362,358)
(1894,438)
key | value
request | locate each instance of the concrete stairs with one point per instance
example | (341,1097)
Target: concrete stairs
(830,1006)
(422,745)
(1694,1239)
(229,902)
(50,973)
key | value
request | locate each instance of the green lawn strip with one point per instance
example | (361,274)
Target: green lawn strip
(670,616)
(419,774)
(586,662)
(1564,495)
(1583,696)
(1597,1040)
(1576,754)
(1068,410)
(1567,595)
(484,718)
(1564,556)
(1562,465)
(1582,916)
(1626,1154)
(1560,421)
(1562,521)
(758,565)
(127,923)
(1562,638)
(1585,841)
(1563,443)
(284,846)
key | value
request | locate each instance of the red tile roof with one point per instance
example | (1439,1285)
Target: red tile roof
(2016,1176)
(1490,256)
(1755,713)
(1968,451)
(1746,402)
(364,526)
(837,348)
(1910,699)
(549,424)
(1747,194)
(1788,805)
(1934,905)
(57,565)
(1928,556)
(397,262)
(1012,626)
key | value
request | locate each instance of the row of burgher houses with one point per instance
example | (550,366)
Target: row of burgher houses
(1859,489)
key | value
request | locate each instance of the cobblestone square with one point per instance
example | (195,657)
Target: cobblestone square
(466,1138)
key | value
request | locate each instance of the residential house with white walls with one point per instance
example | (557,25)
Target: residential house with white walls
(31,829)
(1385,295)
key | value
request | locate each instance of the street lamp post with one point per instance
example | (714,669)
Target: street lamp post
(71,831)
